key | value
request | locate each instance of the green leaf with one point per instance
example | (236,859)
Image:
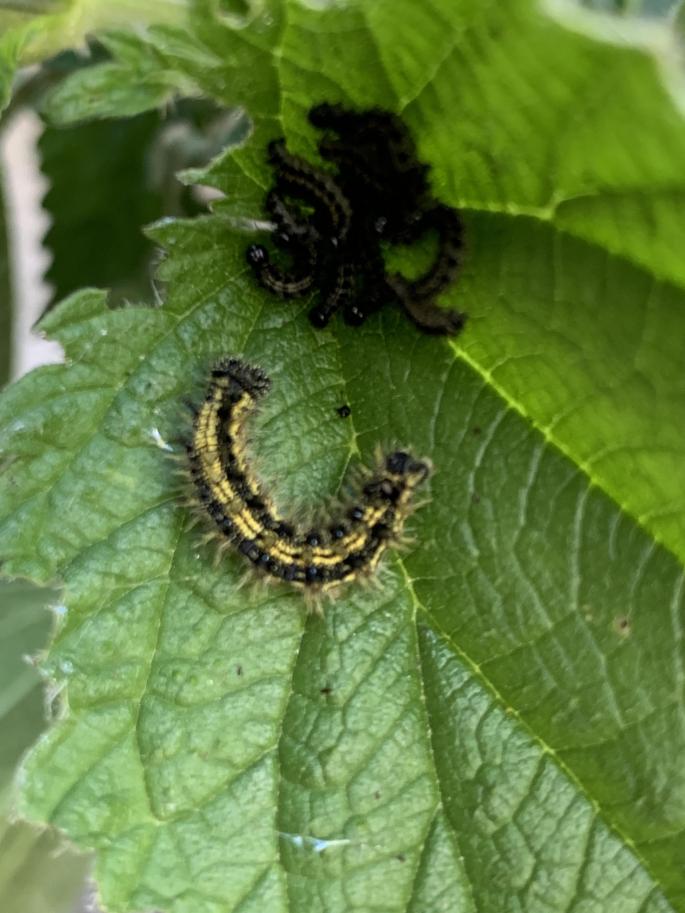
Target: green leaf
(99,204)
(649,25)
(96,237)
(36,875)
(32,31)
(500,727)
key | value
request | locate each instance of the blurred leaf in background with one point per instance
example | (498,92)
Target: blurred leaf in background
(99,198)
(632,7)
(5,294)
(34,31)
(109,178)
(37,873)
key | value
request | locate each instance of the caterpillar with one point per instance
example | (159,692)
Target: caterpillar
(335,227)
(283,283)
(297,176)
(320,559)
(359,127)
(299,239)
(377,165)
(418,296)
(337,290)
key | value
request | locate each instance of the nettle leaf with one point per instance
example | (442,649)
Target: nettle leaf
(500,727)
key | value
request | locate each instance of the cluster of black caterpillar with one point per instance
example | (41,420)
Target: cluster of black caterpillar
(332,227)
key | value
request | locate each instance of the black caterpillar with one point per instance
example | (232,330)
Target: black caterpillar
(332,227)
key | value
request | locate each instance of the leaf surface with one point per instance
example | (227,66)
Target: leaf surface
(500,728)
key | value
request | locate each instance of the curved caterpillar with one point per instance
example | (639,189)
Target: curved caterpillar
(298,177)
(319,559)
(418,296)
(283,283)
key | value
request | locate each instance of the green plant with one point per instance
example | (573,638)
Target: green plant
(501,728)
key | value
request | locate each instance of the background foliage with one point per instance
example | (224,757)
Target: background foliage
(37,875)
(501,727)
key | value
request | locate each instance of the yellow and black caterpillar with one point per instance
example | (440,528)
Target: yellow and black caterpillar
(319,559)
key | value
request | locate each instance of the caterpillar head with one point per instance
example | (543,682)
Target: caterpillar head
(403,467)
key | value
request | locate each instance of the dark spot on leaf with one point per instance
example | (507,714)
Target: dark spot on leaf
(622,626)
